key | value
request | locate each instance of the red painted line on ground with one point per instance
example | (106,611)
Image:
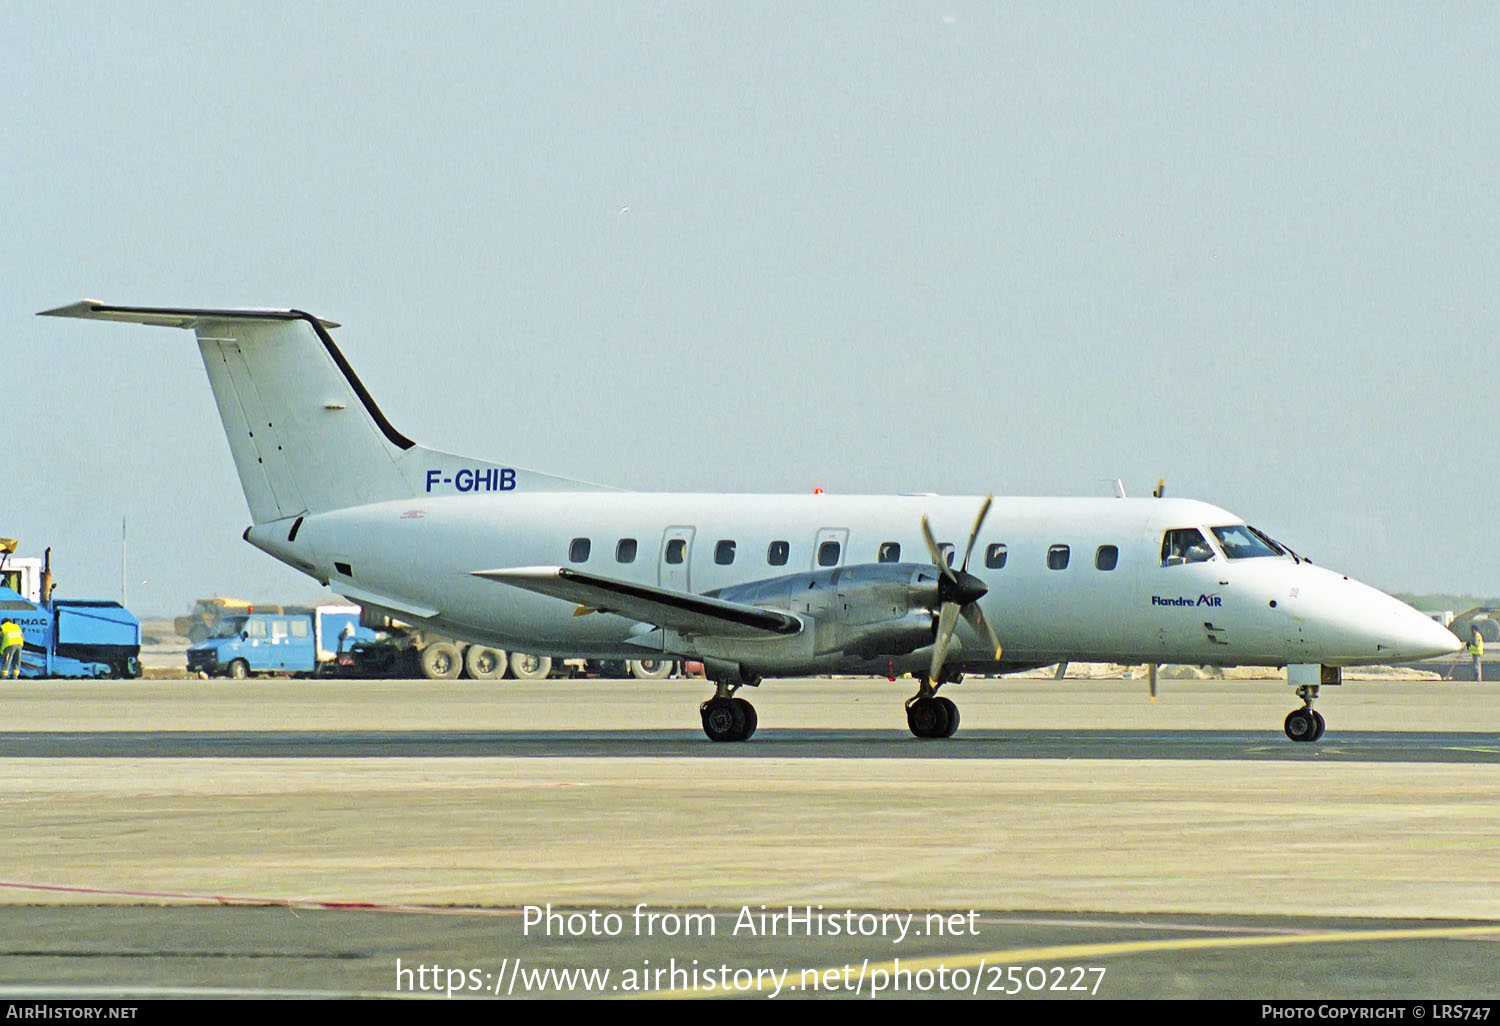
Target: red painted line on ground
(220,899)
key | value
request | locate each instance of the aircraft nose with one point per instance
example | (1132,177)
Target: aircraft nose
(1365,621)
(1414,635)
(1422,637)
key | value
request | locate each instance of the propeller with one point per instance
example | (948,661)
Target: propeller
(959,593)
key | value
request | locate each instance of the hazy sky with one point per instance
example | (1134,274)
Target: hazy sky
(952,247)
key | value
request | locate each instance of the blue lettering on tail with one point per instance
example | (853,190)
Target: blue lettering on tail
(474,479)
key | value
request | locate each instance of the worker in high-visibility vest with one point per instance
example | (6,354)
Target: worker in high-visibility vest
(1476,650)
(11,643)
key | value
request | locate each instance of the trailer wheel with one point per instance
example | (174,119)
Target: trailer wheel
(530,667)
(197,632)
(651,669)
(239,670)
(485,663)
(441,661)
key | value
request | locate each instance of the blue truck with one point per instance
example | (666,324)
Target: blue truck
(74,637)
(296,642)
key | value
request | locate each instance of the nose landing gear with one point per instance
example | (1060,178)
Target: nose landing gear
(1305,724)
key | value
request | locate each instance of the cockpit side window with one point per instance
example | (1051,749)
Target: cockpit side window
(1184,545)
(1243,542)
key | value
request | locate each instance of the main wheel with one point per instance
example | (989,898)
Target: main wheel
(1300,725)
(927,718)
(650,669)
(530,667)
(1322,726)
(723,719)
(441,661)
(952,711)
(484,663)
(239,669)
(751,719)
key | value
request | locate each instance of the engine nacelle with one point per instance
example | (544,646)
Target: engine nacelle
(869,610)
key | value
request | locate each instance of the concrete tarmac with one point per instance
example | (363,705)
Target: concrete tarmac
(206,837)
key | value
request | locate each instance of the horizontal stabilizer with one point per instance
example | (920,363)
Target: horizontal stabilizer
(170,317)
(676,610)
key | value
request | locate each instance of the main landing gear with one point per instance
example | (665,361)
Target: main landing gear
(726,718)
(929,715)
(1305,724)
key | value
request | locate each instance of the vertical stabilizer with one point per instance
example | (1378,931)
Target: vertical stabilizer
(305,435)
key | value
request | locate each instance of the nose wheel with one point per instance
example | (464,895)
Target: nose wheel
(1305,724)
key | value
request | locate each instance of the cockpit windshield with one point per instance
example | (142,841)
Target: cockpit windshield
(1184,545)
(1240,541)
(230,627)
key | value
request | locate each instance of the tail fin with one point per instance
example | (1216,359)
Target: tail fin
(305,435)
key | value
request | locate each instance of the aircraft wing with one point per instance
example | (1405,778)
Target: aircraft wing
(676,610)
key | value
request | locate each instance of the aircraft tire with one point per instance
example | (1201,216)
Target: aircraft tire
(651,669)
(485,663)
(951,709)
(530,667)
(723,720)
(1321,726)
(927,718)
(752,720)
(441,661)
(1300,725)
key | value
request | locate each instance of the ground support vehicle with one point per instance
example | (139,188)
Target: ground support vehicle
(75,637)
(297,642)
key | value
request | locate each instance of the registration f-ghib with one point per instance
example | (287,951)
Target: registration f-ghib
(757,586)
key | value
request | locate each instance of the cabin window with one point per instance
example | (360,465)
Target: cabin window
(994,556)
(947,550)
(676,550)
(778,553)
(279,629)
(299,628)
(255,628)
(828,554)
(1184,545)
(724,553)
(890,552)
(625,551)
(344,568)
(578,552)
(1057,557)
(1107,557)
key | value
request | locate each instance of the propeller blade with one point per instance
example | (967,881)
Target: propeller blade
(935,552)
(975,618)
(984,511)
(947,620)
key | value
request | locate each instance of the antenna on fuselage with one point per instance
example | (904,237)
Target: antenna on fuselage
(1161,488)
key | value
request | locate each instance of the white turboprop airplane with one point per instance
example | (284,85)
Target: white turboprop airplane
(757,585)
